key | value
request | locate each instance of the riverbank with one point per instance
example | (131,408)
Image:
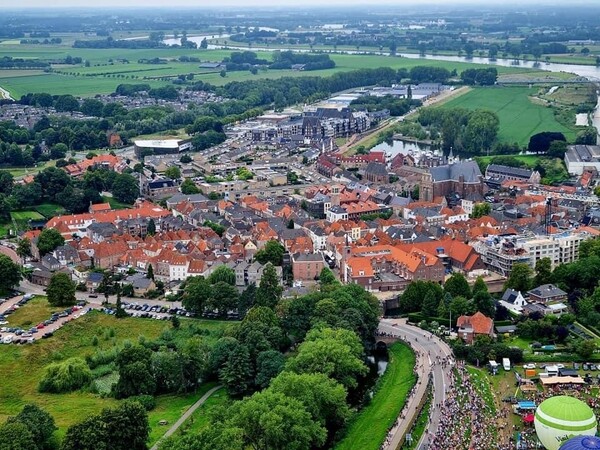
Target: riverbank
(370,426)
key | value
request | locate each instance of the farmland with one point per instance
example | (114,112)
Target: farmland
(24,365)
(520,118)
(107,69)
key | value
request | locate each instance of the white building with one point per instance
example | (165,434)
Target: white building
(580,157)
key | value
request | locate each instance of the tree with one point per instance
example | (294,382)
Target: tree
(151,228)
(10,273)
(519,278)
(543,271)
(586,348)
(557,149)
(480,210)
(24,249)
(39,423)
(273,421)
(120,313)
(269,290)
(197,294)
(323,398)
(479,286)
(188,187)
(412,298)
(236,374)
(460,306)
(48,240)
(483,303)
(173,172)
(61,290)
(247,299)
(457,285)
(224,274)
(16,436)
(124,427)
(134,365)
(430,305)
(224,298)
(185,159)
(125,188)
(335,353)
(150,272)
(65,376)
(269,364)
(223,73)
(327,280)
(272,252)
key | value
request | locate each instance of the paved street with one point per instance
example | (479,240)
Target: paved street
(429,348)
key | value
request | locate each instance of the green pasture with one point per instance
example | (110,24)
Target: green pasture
(520,118)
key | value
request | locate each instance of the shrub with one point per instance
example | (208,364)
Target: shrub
(147,401)
(66,376)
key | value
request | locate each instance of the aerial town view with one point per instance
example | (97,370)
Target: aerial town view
(273,225)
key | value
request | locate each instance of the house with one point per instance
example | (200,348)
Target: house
(141,284)
(160,188)
(307,266)
(40,275)
(93,281)
(513,301)
(469,327)
(547,293)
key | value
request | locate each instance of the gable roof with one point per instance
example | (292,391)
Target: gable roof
(478,322)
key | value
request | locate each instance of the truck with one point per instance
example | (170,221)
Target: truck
(506,364)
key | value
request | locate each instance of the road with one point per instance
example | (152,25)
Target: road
(429,348)
(186,416)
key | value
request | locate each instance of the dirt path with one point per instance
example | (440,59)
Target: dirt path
(186,415)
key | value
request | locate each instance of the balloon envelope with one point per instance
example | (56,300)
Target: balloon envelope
(582,443)
(560,418)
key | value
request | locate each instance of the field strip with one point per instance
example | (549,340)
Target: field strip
(5,94)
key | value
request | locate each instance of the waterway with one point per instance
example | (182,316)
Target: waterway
(415,149)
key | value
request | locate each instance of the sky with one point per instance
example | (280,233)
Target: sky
(244,3)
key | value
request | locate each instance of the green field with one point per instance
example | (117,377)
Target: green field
(23,366)
(530,160)
(103,76)
(520,118)
(37,310)
(49,210)
(370,427)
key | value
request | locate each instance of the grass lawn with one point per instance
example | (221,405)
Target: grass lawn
(530,160)
(23,217)
(35,311)
(370,426)
(520,118)
(201,417)
(171,408)
(24,365)
(115,204)
(49,210)
(482,383)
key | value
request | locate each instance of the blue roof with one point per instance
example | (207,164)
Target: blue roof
(582,443)
(527,405)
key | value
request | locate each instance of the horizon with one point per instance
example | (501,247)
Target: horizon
(278,4)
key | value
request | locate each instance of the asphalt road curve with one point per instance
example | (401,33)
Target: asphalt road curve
(430,349)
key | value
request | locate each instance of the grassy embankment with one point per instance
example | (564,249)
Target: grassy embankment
(370,426)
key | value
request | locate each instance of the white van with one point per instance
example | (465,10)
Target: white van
(552,370)
(8,339)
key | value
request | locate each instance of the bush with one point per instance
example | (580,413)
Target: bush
(66,376)
(147,401)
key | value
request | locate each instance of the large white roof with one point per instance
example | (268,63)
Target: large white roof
(161,143)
